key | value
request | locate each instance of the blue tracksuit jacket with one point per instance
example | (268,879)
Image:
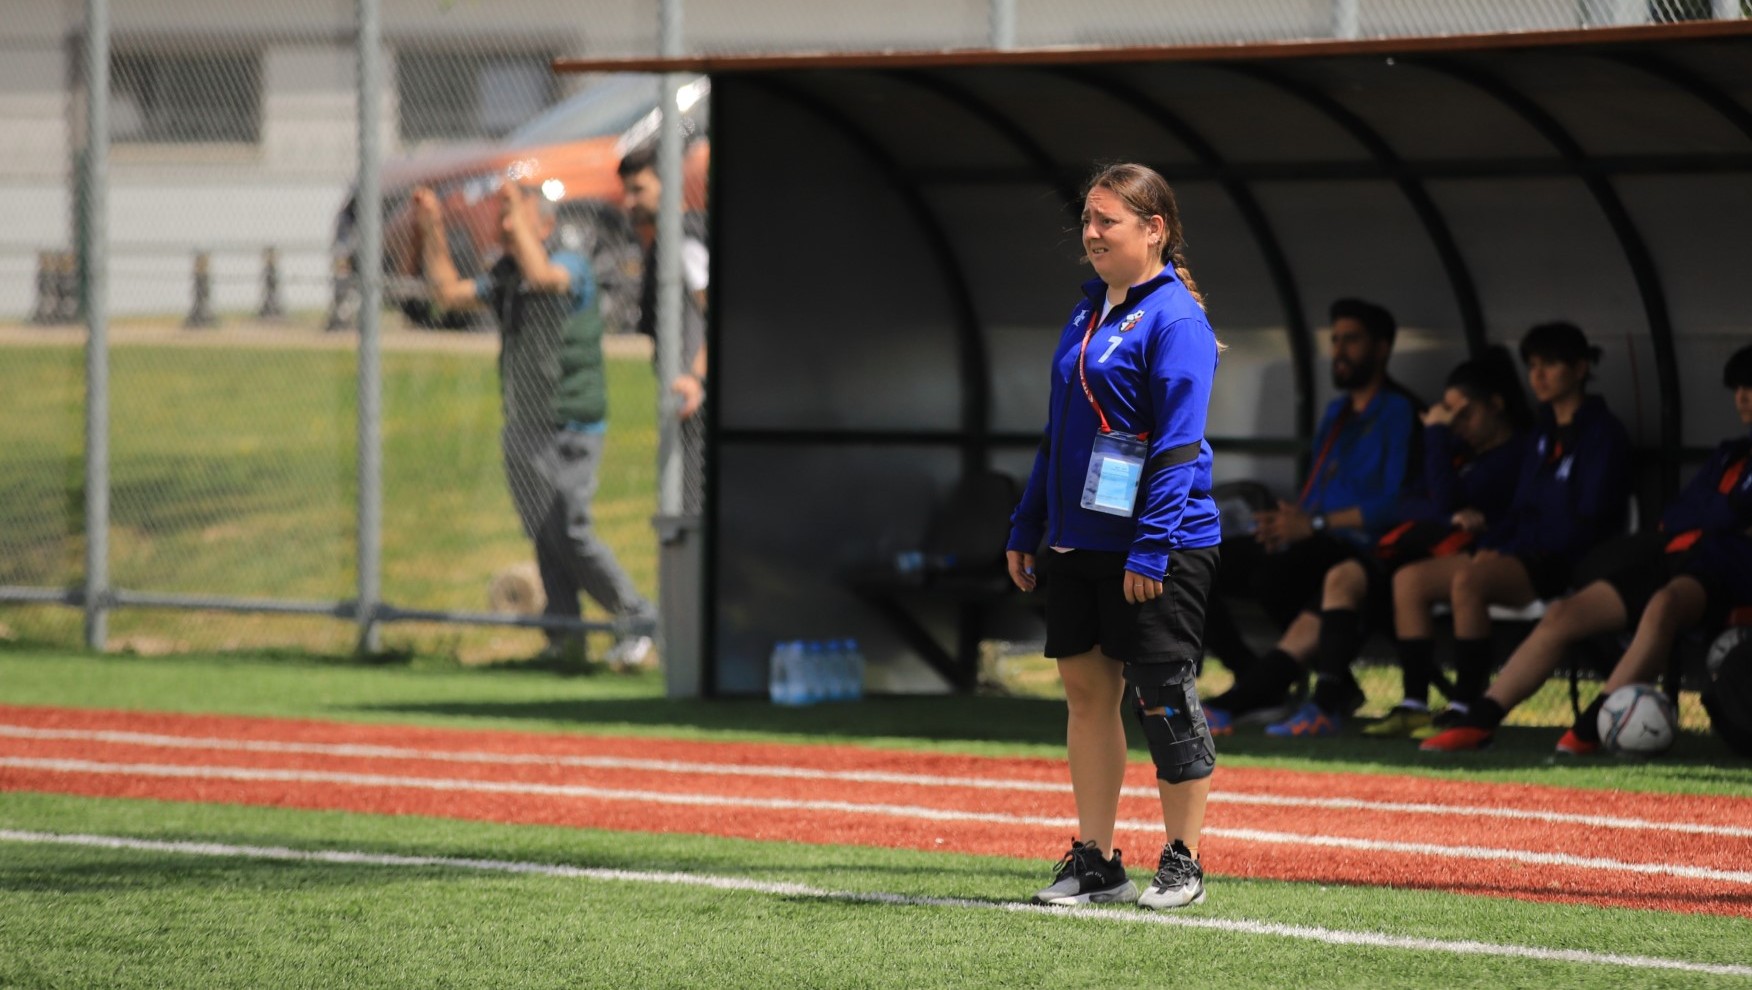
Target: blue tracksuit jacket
(1372,463)
(1702,504)
(1570,496)
(1455,478)
(1150,364)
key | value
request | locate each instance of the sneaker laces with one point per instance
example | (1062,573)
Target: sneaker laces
(1083,859)
(1177,866)
(1072,863)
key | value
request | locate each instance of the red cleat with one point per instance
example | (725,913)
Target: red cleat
(1574,745)
(1459,739)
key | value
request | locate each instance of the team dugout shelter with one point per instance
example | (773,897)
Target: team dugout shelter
(895,247)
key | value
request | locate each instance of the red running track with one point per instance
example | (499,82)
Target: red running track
(1656,851)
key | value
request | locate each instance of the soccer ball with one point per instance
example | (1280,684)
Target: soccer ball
(1638,720)
(1724,645)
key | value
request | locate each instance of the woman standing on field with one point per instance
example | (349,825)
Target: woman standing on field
(1120,498)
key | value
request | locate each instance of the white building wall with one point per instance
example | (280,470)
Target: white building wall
(284,190)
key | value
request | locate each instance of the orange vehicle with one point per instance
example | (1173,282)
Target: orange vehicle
(570,153)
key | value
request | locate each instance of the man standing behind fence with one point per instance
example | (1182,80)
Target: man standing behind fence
(555,401)
(641,193)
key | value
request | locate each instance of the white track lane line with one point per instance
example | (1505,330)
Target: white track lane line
(1328,936)
(848,776)
(855,808)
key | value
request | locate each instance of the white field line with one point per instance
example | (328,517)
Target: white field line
(856,808)
(845,776)
(1328,936)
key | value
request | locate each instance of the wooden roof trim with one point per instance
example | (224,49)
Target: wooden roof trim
(1076,55)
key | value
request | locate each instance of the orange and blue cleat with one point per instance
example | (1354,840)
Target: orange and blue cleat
(1307,720)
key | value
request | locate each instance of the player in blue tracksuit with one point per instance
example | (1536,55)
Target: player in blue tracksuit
(1118,527)
(1474,439)
(1573,491)
(1363,461)
(1692,570)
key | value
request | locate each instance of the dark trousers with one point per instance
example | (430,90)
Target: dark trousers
(1284,584)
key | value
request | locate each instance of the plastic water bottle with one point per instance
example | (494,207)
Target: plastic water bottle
(787,683)
(778,674)
(814,667)
(838,667)
(854,670)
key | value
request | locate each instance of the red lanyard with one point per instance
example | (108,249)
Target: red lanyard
(1731,476)
(1345,413)
(1083,376)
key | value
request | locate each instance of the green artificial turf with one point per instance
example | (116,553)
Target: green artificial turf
(77,917)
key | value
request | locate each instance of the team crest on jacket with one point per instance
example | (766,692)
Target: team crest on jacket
(1131,320)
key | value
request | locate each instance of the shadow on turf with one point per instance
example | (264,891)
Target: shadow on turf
(1696,757)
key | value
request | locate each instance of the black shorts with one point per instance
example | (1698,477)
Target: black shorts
(1635,566)
(1086,606)
(1303,567)
(1722,563)
(1549,575)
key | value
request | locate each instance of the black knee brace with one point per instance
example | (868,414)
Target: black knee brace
(1180,741)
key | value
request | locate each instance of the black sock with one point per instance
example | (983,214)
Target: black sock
(1341,639)
(1472,663)
(1485,714)
(1587,727)
(1417,667)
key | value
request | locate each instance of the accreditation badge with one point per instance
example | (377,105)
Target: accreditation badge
(1116,467)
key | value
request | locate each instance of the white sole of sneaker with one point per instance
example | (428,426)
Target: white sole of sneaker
(1159,903)
(1113,895)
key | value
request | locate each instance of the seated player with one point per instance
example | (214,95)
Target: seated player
(1365,455)
(1692,571)
(1573,493)
(1474,440)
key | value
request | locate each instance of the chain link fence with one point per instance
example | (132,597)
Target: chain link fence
(233,282)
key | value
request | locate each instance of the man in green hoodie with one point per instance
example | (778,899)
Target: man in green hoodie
(555,402)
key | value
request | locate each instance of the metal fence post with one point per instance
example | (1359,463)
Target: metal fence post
(680,549)
(96,226)
(370,275)
(1003,18)
(1345,23)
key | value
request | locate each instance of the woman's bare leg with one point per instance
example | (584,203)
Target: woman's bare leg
(1095,742)
(1675,608)
(1593,610)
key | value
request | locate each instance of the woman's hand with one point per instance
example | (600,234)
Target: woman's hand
(1140,589)
(1021,568)
(427,213)
(1440,415)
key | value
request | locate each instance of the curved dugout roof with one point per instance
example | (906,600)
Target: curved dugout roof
(896,244)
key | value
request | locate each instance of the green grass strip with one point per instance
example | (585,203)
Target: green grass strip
(84,916)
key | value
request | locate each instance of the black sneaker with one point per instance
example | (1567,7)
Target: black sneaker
(1083,877)
(1179,880)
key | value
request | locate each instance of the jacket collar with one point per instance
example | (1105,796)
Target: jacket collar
(1592,408)
(1096,290)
